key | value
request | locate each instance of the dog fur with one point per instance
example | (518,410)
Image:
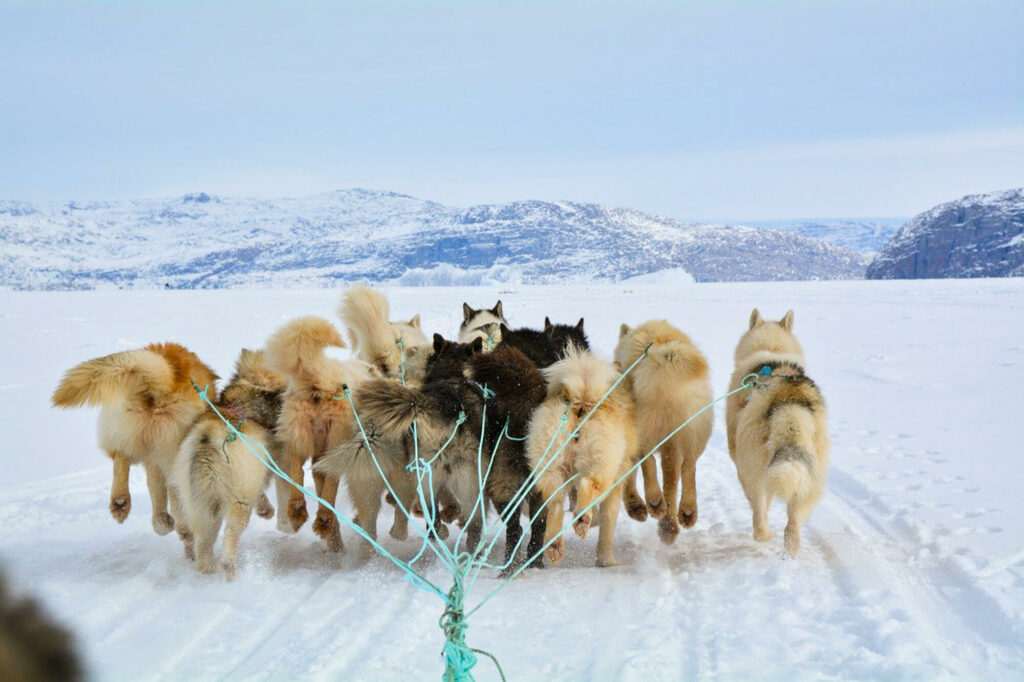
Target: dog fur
(481,324)
(217,476)
(312,422)
(33,648)
(778,432)
(669,386)
(599,453)
(387,410)
(544,348)
(147,404)
(365,312)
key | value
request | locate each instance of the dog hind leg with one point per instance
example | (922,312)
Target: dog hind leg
(688,501)
(668,526)
(120,496)
(606,533)
(652,489)
(264,509)
(326,523)
(635,506)
(238,517)
(157,483)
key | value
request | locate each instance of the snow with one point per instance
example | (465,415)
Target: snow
(913,566)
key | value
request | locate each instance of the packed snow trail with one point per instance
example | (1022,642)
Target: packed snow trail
(912,565)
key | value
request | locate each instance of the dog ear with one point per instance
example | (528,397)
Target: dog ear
(497,310)
(787,321)
(439,343)
(467,312)
(755,318)
(415,321)
(478,345)
(579,326)
(623,329)
(547,325)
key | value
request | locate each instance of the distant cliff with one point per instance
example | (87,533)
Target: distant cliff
(981,235)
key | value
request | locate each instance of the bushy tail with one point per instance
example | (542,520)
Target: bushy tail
(297,348)
(365,312)
(514,378)
(387,408)
(357,459)
(793,470)
(207,477)
(112,378)
(679,356)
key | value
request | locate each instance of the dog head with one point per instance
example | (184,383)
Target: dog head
(765,336)
(449,357)
(564,335)
(472,319)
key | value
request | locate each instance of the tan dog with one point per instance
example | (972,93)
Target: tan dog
(216,474)
(669,386)
(147,405)
(314,416)
(778,432)
(599,455)
(375,339)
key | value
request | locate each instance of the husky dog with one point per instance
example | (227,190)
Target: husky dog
(545,348)
(669,386)
(375,339)
(599,453)
(777,433)
(519,388)
(33,648)
(147,404)
(387,410)
(513,373)
(216,474)
(481,324)
(314,417)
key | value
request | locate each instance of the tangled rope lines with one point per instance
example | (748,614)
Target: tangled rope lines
(466,565)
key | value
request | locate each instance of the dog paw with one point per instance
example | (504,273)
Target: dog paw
(204,565)
(556,552)
(120,507)
(163,523)
(607,562)
(449,513)
(636,510)
(441,531)
(763,534)
(399,532)
(668,530)
(688,517)
(324,524)
(297,514)
(656,507)
(228,568)
(190,552)
(582,525)
(265,510)
(390,499)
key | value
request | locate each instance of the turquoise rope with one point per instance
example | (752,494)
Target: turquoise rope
(748,383)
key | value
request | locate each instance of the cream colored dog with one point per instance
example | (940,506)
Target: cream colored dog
(147,405)
(314,418)
(216,474)
(669,386)
(598,455)
(375,339)
(778,432)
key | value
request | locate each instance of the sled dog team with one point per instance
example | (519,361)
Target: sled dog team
(504,401)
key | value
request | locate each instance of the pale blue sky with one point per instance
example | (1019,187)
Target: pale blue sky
(699,110)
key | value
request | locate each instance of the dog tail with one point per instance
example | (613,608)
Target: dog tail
(360,461)
(677,355)
(365,312)
(514,378)
(387,408)
(113,378)
(793,470)
(297,349)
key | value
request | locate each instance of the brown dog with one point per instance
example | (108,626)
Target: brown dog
(147,405)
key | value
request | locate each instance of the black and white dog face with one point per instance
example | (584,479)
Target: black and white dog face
(480,324)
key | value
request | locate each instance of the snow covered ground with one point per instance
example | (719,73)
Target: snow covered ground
(913,566)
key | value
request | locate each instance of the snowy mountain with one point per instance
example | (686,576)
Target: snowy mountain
(868,235)
(980,235)
(203,241)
